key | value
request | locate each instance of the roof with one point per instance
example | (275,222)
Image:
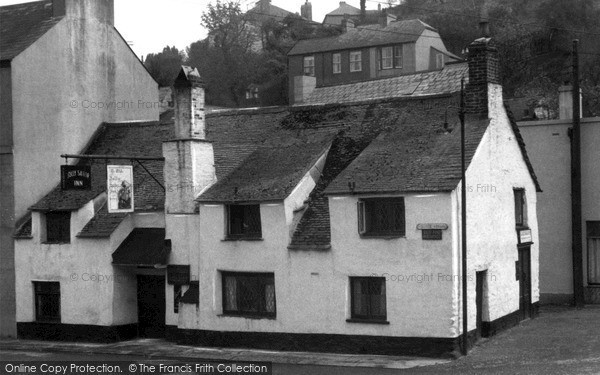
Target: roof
(22,24)
(143,247)
(404,31)
(265,11)
(344,9)
(436,82)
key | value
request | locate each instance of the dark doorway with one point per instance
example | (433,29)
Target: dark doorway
(151,306)
(524,272)
(480,276)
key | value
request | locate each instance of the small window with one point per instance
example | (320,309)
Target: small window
(177,293)
(47,301)
(381,217)
(356,61)
(337,63)
(309,66)
(387,57)
(249,294)
(368,300)
(243,221)
(593,248)
(439,61)
(58,227)
(398,57)
(520,210)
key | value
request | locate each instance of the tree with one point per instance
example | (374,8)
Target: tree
(165,65)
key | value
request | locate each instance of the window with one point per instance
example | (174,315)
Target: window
(520,210)
(398,57)
(47,301)
(243,221)
(249,294)
(58,227)
(337,63)
(176,297)
(439,60)
(387,58)
(368,298)
(309,66)
(356,61)
(381,217)
(593,246)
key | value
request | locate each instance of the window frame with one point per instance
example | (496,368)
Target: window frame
(369,317)
(520,207)
(593,240)
(60,220)
(398,57)
(365,207)
(262,279)
(255,235)
(336,56)
(439,60)
(358,61)
(390,58)
(308,69)
(52,291)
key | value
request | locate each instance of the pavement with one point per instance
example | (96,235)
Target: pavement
(560,337)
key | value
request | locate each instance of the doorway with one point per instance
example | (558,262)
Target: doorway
(524,273)
(151,306)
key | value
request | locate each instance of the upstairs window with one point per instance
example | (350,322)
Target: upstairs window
(337,63)
(398,57)
(309,66)
(243,221)
(439,60)
(520,208)
(47,301)
(58,227)
(381,217)
(355,61)
(368,299)
(249,294)
(390,57)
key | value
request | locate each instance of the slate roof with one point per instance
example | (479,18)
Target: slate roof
(404,31)
(22,24)
(344,9)
(417,84)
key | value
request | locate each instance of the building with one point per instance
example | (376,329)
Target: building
(365,53)
(318,227)
(344,12)
(64,69)
(549,146)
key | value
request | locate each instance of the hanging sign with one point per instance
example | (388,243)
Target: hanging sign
(525,236)
(75,177)
(119,180)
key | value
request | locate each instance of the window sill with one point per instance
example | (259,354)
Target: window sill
(382,236)
(47,321)
(254,317)
(229,239)
(55,243)
(367,321)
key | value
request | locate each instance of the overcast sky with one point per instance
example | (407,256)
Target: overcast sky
(150,25)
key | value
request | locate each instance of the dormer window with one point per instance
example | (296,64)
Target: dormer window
(58,227)
(390,57)
(243,221)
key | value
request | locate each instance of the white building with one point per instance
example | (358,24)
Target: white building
(322,228)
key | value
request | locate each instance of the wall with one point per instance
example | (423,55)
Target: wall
(549,148)
(423,46)
(346,76)
(496,169)
(409,62)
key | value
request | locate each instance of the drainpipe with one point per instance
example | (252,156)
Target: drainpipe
(463,209)
(576,229)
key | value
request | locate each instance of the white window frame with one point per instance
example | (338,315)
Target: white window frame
(336,61)
(387,58)
(398,57)
(439,60)
(355,61)
(308,66)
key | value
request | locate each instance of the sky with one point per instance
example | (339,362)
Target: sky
(150,25)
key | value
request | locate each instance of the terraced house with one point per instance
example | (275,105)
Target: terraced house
(322,227)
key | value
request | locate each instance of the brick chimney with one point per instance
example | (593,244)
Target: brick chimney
(100,10)
(484,75)
(306,10)
(189,166)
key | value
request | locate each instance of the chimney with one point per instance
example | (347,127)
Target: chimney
(385,19)
(347,23)
(565,102)
(189,166)
(306,10)
(484,71)
(100,10)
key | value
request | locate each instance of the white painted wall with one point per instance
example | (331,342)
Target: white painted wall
(423,46)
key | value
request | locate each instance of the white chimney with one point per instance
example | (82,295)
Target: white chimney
(189,166)
(565,102)
(100,10)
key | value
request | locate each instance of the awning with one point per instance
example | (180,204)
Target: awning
(143,247)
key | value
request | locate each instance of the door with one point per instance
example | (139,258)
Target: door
(480,279)
(524,272)
(151,306)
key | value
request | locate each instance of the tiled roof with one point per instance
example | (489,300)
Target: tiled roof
(22,24)
(436,82)
(102,224)
(364,36)
(24,229)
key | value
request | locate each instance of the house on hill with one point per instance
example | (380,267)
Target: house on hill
(331,227)
(64,70)
(365,53)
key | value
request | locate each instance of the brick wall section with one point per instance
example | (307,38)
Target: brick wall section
(484,68)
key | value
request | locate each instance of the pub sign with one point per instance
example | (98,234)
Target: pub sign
(119,180)
(75,177)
